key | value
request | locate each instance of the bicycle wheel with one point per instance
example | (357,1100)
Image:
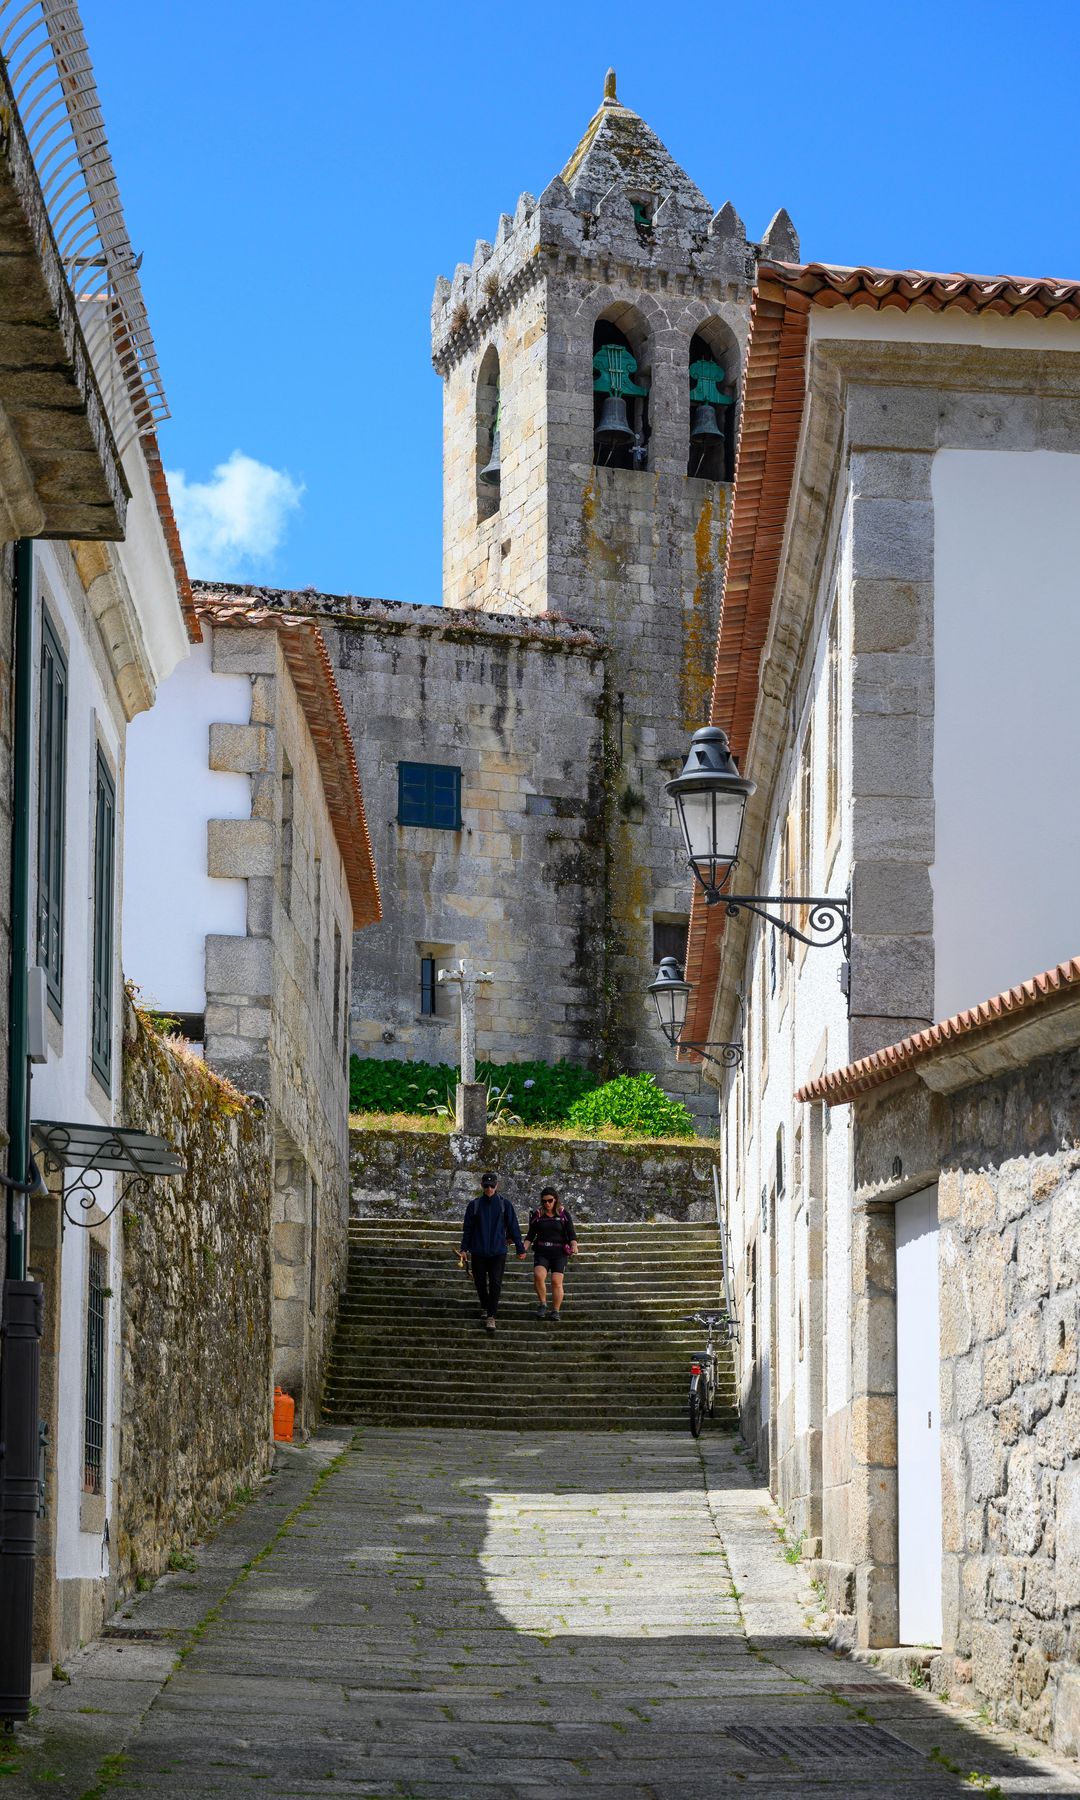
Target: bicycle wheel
(711,1395)
(697,1405)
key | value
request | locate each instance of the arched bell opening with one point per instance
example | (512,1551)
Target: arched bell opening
(488,437)
(620,391)
(713,375)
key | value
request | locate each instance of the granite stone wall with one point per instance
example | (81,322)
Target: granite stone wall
(1005,1153)
(519,891)
(277,999)
(196,1327)
(425,1175)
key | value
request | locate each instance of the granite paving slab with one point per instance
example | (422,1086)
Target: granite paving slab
(441,1615)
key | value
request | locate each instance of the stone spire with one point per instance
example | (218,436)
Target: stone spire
(619,150)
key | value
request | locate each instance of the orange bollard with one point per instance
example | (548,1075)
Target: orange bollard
(284,1411)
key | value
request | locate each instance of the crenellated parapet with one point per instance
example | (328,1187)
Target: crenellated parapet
(621,212)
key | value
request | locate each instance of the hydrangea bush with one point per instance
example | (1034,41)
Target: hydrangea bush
(539,1093)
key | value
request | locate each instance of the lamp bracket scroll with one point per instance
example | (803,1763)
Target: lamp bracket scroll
(828,920)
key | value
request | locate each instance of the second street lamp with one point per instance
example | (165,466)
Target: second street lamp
(670,995)
(710,798)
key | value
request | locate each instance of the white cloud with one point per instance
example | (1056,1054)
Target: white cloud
(232,524)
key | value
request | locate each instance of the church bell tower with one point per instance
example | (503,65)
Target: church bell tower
(591,360)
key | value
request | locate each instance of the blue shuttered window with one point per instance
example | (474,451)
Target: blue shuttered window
(429,794)
(104,923)
(52,785)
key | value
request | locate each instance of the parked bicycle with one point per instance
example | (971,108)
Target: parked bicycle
(703,1371)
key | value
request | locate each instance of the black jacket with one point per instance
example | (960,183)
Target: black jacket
(488,1226)
(569,1235)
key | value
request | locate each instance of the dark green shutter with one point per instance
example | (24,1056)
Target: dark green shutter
(104,915)
(429,794)
(52,795)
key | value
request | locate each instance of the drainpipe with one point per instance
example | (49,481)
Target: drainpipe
(22,1320)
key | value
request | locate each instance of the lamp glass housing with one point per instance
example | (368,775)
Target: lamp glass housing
(710,798)
(670,996)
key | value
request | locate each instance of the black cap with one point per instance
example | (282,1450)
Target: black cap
(489,1180)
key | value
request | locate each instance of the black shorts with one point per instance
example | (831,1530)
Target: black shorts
(547,1257)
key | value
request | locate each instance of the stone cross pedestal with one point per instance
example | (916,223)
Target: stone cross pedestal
(471,1100)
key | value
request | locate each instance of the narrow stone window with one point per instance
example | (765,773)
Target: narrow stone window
(832,707)
(780,1162)
(713,361)
(317,951)
(620,394)
(286,833)
(669,937)
(488,437)
(313,1260)
(337,980)
(429,989)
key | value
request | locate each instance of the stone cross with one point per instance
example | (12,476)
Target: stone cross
(468,983)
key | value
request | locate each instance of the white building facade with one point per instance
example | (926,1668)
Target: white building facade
(900,617)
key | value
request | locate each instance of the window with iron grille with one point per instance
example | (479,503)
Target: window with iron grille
(429,990)
(94,1425)
(52,790)
(104,924)
(429,794)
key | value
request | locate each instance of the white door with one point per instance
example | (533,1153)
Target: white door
(918,1422)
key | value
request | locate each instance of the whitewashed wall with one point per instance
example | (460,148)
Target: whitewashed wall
(171,904)
(792,1030)
(1006,759)
(64,1087)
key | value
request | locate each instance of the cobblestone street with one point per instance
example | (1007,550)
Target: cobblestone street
(421,1613)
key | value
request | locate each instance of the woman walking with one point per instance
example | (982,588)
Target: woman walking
(551,1234)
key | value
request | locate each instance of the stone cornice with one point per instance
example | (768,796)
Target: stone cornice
(110,600)
(405,618)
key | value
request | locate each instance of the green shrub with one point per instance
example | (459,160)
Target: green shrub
(634,1102)
(542,1093)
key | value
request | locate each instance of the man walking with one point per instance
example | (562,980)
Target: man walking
(490,1223)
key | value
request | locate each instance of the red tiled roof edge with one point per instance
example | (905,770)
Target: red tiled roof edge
(989,1016)
(772,410)
(156,471)
(898,289)
(308,659)
(773,402)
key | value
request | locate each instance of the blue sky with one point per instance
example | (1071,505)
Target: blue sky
(296,178)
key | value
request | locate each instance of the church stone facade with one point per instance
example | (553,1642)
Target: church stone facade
(545,704)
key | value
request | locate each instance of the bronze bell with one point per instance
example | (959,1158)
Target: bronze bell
(704,424)
(491,473)
(613,426)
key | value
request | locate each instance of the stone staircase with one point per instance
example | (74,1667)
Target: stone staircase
(410,1348)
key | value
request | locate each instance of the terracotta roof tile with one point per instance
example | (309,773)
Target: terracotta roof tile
(308,659)
(774,393)
(896,1059)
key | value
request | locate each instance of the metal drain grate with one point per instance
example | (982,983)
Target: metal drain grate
(820,1743)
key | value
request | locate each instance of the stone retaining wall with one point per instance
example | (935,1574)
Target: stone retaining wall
(196,1339)
(426,1174)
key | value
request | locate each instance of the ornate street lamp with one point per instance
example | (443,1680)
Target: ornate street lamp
(670,994)
(710,797)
